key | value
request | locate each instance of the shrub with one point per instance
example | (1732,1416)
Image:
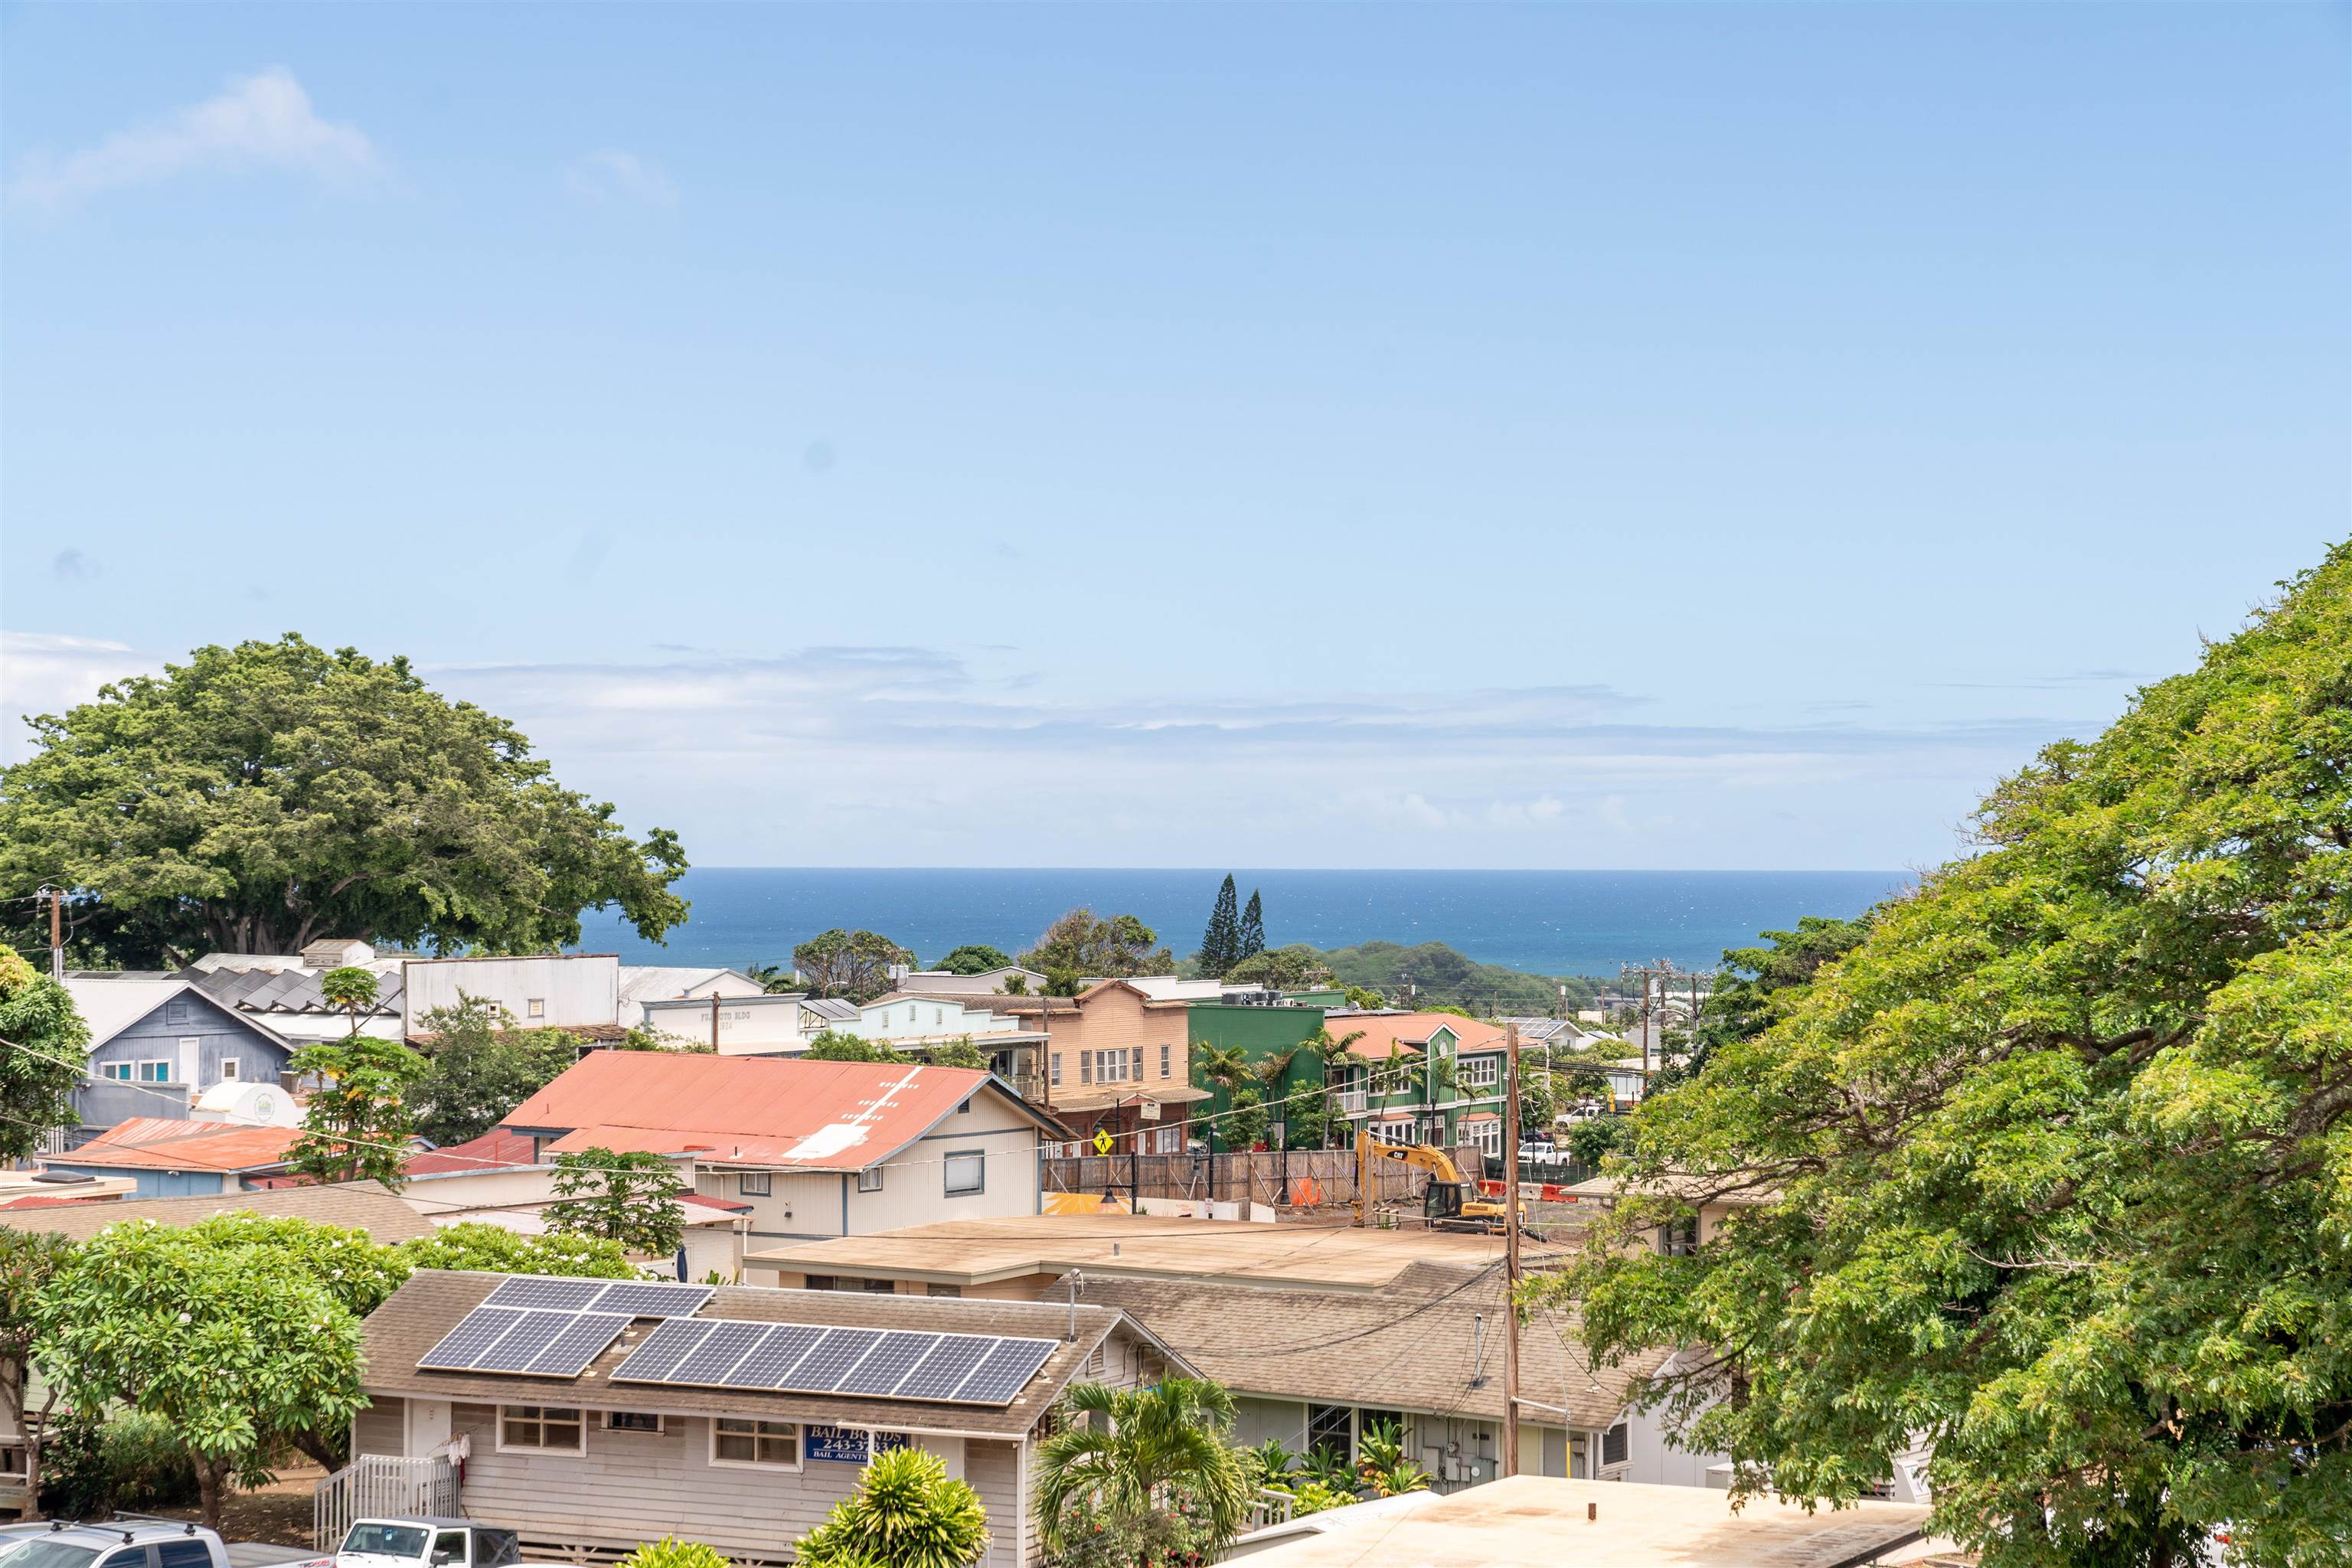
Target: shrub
(671,1552)
(90,1468)
(907,1512)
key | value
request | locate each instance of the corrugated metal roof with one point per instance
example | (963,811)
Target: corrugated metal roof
(153,1142)
(493,1150)
(841,1116)
(831,1007)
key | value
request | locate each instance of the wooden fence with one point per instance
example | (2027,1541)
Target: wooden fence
(1297,1178)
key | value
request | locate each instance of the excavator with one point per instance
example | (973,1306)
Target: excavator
(1446,1206)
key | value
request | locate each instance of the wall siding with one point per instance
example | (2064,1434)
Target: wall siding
(220,1035)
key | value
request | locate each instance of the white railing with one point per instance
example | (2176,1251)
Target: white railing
(1351,1101)
(374,1485)
(1271,1506)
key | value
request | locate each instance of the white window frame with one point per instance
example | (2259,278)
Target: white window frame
(535,1007)
(1485,1135)
(971,1158)
(1053,1068)
(1478,1072)
(870,1179)
(800,1445)
(117,1072)
(1085,1067)
(580,1419)
(230,1066)
(755,1184)
(660,1426)
(1165,1051)
(165,1076)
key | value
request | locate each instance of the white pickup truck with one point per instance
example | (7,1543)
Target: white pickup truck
(140,1541)
(421,1540)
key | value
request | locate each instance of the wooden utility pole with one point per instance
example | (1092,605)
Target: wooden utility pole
(1511,1249)
(57,933)
(714,1023)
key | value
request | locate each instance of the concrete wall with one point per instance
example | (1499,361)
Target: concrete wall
(582,989)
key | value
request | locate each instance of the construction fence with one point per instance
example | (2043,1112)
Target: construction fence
(1289,1179)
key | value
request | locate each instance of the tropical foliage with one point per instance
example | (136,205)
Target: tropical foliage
(1136,1459)
(259,796)
(975,958)
(357,1126)
(1083,945)
(906,1512)
(629,1199)
(853,964)
(478,1069)
(2052,1168)
(43,1044)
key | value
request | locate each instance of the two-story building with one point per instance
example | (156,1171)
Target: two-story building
(906,1020)
(814,1148)
(1117,1060)
(157,1042)
(1422,1077)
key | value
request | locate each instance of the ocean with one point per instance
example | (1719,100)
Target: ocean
(1545,922)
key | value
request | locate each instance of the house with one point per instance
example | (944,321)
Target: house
(815,1147)
(1117,1060)
(1318,1333)
(988,983)
(157,1042)
(1528,1522)
(356,1206)
(1424,1078)
(176,1157)
(590,993)
(735,1416)
(903,1020)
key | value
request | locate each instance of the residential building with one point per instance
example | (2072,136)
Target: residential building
(173,1157)
(591,1463)
(1116,1061)
(904,1020)
(157,1042)
(988,983)
(1423,1078)
(815,1148)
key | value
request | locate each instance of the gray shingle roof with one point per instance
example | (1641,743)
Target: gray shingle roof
(359,1206)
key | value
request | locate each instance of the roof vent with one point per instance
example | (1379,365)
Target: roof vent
(335,952)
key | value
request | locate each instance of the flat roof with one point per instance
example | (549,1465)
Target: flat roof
(980,1252)
(1539,1521)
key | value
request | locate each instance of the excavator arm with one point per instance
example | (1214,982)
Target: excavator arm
(1420,1157)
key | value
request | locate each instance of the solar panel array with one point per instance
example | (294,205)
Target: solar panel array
(805,1358)
(629,1298)
(525,1342)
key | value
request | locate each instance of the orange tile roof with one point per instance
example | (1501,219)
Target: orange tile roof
(761,1110)
(153,1144)
(1386,1034)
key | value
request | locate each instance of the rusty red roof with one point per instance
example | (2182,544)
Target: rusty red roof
(758,1110)
(1387,1034)
(491,1151)
(153,1142)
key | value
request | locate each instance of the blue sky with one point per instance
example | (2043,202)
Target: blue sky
(1611,436)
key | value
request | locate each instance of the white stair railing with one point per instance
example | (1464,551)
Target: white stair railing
(376,1485)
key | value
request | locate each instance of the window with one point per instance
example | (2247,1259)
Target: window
(154,1072)
(631,1421)
(1478,1072)
(542,1429)
(965,1108)
(179,1011)
(1163,1061)
(942,1290)
(738,1441)
(1167,1140)
(12,1460)
(1679,1238)
(230,1068)
(1056,1070)
(754,1185)
(449,1546)
(1616,1444)
(870,1179)
(1486,1135)
(385,1540)
(967,1174)
(938,1015)
(1331,1426)
(535,1008)
(1085,1067)
(118,1071)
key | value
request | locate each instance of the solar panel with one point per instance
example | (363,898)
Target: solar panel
(475,1332)
(1005,1372)
(882,1371)
(522,1344)
(720,1351)
(590,1336)
(658,1355)
(644,1300)
(938,1374)
(767,1366)
(824,1368)
(548,1295)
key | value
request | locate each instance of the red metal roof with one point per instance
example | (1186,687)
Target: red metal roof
(153,1143)
(492,1150)
(1386,1034)
(761,1110)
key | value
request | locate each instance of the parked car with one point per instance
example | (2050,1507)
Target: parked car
(423,1541)
(140,1541)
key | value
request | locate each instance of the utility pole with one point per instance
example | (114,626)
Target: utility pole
(714,1023)
(1511,1250)
(56,897)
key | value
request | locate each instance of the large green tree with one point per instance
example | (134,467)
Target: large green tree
(630,1198)
(1250,939)
(1136,1453)
(1220,943)
(43,1043)
(975,958)
(477,1071)
(855,965)
(2053,1171)
(262,795)
(1081,943)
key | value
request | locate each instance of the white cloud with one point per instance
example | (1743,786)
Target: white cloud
(45,674)
(264,120)
(613,176)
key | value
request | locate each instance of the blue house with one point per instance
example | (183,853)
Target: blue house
(157,1042)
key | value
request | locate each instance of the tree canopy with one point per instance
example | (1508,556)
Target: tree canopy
(43,1043)
(259,796)
(975,958)
(1081,943)
(477,1070)
(855,965)
(1221,942)
(357,1125)
(1251,937)
(629,1198)
(2053,1171)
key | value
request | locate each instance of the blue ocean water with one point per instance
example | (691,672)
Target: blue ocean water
(1547,922)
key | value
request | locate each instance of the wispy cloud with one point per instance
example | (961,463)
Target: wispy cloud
(262,120)
(44,674)
(613,177)
(73,566)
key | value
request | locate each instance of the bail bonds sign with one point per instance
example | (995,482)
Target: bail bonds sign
(850,1444)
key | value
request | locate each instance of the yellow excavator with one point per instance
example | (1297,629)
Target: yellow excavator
(1446,1206)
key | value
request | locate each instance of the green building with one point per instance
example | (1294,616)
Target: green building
(1262,1034)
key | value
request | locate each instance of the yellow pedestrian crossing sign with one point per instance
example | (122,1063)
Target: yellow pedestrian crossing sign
(1102,1140)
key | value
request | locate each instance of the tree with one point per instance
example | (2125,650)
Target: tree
(357,1126)
(1370,1000)
(262,795)
(235,1348)
(1336,1056)
(494,1249)
(855,965)
(1283,969)
(1109,947)
(629,1198)
(476,1072)
(2053,1170)
(906,1512)
(350,988)
(43,1045)
(1221,944)
(1135,1451)
(1244,1123)
(29,1264)
(975,958)
(833,1046)
(774,978)
(1252,929)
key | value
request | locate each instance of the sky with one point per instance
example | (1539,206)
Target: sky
(1609,437)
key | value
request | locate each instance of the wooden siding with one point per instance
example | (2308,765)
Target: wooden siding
(218,1032)
(380,1428)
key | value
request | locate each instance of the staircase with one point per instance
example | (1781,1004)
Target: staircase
(376,1486)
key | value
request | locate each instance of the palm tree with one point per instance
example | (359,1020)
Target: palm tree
(1131,1451)
(1271,1072)
(1332,1054)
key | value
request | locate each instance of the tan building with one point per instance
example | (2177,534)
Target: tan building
(1116,1060)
